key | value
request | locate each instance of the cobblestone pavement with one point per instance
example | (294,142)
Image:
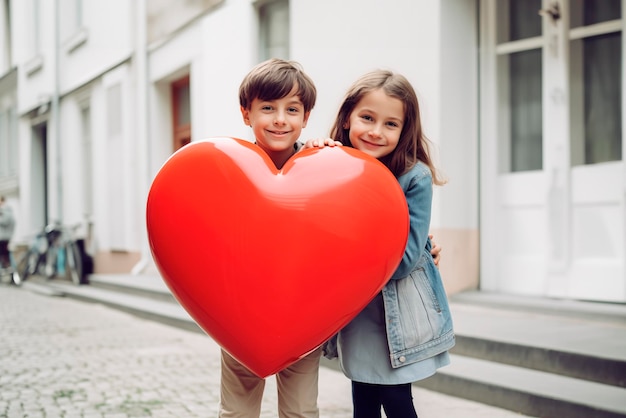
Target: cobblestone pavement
(64,358)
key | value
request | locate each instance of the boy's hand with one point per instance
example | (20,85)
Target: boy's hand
(435,251)
(321,143)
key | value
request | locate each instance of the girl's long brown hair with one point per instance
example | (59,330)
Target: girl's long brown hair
(413,145)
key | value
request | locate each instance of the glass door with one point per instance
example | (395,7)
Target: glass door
(552,210)
(597,171)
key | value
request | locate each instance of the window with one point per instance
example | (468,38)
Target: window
(87,161)
(181,105)
(78,16)
(8,143)
(520,77)
(114,110)
(36,27)
(274,30)
(71,15)
(596,82)
(13,141)
(522,18)
(5,37)
(526,110)
(4,144)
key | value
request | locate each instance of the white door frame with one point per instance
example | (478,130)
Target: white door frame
(538,227)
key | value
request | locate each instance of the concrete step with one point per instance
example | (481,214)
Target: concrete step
(142,297)
(526,391)
(536,356)
(151,287)
(582,340)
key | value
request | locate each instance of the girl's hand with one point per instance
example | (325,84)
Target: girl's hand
(435,251)
(321,143)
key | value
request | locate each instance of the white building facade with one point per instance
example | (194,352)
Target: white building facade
(523,101)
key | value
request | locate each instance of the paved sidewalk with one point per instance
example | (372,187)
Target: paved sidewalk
(64,358)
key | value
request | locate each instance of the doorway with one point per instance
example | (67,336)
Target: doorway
(552,172)
(39,177)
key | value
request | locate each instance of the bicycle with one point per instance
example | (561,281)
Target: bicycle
(32,261)
(66,255)
(54,252)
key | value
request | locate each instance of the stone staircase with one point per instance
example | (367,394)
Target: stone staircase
(539,357)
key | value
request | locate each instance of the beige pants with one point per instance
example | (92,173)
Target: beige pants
(241,391)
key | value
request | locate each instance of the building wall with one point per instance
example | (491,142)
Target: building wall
(421,44)
(335,42)
(456,223)
(53,86)
(105,40)
(428,42)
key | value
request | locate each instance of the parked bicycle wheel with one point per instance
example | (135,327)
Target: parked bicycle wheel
(74,263)
(50,265)
(17,279)
(28,264)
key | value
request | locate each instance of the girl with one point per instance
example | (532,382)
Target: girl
(404,334)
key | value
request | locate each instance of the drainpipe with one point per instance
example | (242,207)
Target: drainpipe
(143,180)
(56,119)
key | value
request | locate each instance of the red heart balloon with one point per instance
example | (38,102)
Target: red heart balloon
(271,263)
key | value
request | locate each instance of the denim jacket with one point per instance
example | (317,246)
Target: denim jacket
(418,318)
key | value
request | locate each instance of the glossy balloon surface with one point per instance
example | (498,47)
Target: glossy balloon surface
(271,263)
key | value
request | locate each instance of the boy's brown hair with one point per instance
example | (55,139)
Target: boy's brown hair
(274,79)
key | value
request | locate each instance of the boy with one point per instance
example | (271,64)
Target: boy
(276,99)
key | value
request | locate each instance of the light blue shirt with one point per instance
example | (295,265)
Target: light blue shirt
(364,352)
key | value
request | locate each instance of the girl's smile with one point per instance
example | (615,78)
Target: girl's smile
(370,144)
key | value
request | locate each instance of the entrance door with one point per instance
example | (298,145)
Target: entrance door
(597,172)
(181,112)
(39,178)
(551,169)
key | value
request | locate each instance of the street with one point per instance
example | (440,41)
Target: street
(64,358)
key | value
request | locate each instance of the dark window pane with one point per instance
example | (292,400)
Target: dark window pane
(603,104)
(526,110)
(589,12)
(274,29)
(524,19)
(183,104)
